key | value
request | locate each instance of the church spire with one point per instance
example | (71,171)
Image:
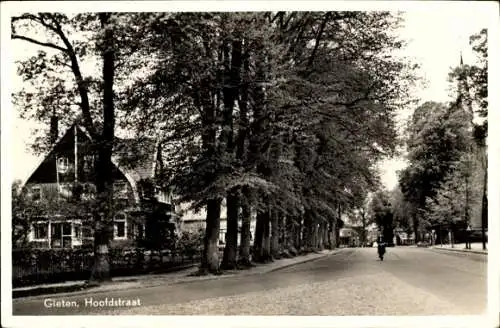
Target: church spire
(463,98)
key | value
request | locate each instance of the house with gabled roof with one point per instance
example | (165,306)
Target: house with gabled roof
(65,179)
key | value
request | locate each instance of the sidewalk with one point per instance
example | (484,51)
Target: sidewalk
(476,248)
(132,282)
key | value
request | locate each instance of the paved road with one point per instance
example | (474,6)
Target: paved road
(410,281)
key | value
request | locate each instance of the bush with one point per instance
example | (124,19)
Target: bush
(36,266)
(190,242)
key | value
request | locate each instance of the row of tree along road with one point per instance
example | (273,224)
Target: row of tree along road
(285,114)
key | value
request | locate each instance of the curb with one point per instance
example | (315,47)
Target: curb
(85,289)
(458,250)
(306,261)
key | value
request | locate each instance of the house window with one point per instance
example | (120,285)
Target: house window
(36,194)
(60,235)
(120,227)
(78,232)
(88,163)
(120,190)
(66,229)
(147,191)
(41,230)
(62,165)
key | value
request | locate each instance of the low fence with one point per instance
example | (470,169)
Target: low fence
(38,266)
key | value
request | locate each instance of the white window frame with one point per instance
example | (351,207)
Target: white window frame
(77,224)
(34,224)
(63,235)
(62,164)
(115,227)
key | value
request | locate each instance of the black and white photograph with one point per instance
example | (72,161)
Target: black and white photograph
(266,164)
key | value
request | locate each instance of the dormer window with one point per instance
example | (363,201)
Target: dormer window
(62,165)
(88,163)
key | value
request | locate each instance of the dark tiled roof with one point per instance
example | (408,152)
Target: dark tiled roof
(136,156)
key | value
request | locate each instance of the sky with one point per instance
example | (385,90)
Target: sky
(435,40)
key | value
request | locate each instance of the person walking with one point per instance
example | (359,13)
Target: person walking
(381,248)
(467,237)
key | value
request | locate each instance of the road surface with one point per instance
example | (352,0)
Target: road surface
(410,281)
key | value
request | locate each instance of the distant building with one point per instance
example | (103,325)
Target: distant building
(349,237)
(191,220)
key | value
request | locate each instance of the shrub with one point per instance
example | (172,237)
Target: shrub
(190,242)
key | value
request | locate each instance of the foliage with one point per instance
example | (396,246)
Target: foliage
(20,216)
(35,266)
(438,136)
(381,212)
(289,110)
(439,185)
(472,86)
(189,242)
(402,210)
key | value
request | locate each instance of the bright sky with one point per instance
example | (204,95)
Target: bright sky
(435,40)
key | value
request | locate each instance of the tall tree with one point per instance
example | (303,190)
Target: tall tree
(60,79)
(472,93)
(382,214)
(267,122)
(437,139)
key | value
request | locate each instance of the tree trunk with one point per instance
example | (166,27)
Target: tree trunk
(305,234)
(322,235)
(363,232)
(229,260)
(266,250)
(298,234)
(283,234)
(262,240)
(319,244)
(245,233)
(210,257)
(275,234)
(415,228)
(104,216)
(484,210)
(259,237)
(316,236)
(334,233)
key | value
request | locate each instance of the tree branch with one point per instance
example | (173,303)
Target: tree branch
(82,88)
(43,44)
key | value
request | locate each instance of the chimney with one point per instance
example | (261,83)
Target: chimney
(54,129)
